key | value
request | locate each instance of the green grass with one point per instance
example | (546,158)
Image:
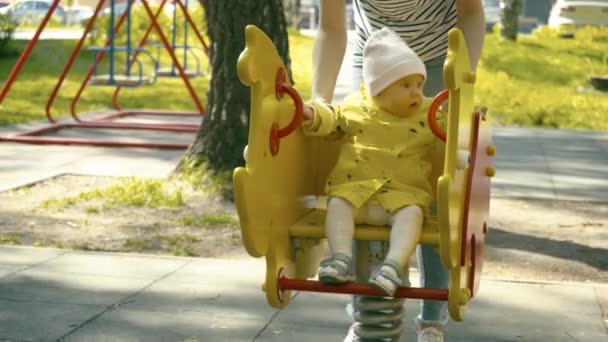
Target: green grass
(137,244)
(29,94)
(180,245)
(300,49)
(534,81)
(43,243)
(224,219)
(10,239)
(152,193)
(531,82)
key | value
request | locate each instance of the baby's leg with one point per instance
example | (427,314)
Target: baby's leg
(339,226)
(406,228)
(339,231)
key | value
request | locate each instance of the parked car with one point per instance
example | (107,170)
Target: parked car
(5,7)
(32,11)
(78,14)
(568,15)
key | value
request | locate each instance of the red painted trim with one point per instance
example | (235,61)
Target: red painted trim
(87,142)
(469,191)
(432,114)
(359,289)
(276,133)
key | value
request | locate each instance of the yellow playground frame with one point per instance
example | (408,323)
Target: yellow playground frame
(279,192)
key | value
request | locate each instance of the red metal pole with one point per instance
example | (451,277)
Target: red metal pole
(68,66)
(92,69)
(86,142)
(182,74)
(193,25)
(360,289)
(26,53)
(141,45)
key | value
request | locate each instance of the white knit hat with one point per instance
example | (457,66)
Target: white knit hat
(387,59)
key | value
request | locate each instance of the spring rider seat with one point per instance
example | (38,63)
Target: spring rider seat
(279,193)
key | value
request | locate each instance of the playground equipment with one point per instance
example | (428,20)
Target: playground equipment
(112,78)
(188,50)
(104,122)
(285,170)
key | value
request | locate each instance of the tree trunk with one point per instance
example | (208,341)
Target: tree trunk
(292,12)
(223,133)
(509,18)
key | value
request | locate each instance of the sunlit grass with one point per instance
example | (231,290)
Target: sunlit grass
(221,219)
(138,192)
(537,81)
(542,81)
(300,48)
(180,245)
(10,239)
(29,94)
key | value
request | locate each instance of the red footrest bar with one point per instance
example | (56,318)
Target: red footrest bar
(360,289)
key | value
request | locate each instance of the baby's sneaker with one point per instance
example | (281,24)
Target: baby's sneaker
(335,269)
(387,277)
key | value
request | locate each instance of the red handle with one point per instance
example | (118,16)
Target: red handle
(432,117)
(276,133)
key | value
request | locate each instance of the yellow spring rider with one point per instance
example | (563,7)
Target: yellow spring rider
(285,173)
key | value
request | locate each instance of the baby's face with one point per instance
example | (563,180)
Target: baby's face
(402,98)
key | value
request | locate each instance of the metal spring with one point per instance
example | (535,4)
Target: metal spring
(377,318)
(374,318)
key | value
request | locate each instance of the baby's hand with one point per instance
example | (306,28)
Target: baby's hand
(307,116)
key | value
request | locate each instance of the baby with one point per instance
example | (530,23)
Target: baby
(381,176)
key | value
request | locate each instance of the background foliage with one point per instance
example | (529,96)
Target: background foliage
(541,80)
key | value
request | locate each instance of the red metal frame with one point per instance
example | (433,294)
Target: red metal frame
(359,289)
(101,122)
(121,112)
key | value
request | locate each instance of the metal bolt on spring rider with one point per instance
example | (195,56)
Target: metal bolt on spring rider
(382,168)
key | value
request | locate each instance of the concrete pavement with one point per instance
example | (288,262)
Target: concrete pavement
(50,294)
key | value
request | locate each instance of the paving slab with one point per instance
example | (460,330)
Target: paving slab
(133,325)
(502,311)
(39,286)
(41,321)
(221,300)
(23,257)
(117,265)
(227,288)
(551,164)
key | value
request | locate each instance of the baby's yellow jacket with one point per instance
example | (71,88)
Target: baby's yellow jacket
(382,156)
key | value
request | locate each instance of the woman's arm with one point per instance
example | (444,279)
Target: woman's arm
(328,49)
(472,22)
